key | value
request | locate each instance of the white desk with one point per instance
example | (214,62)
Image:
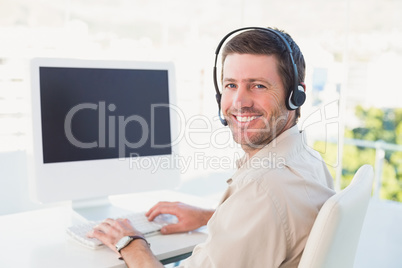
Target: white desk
(38,239)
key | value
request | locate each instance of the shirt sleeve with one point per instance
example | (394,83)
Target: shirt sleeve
(246,230)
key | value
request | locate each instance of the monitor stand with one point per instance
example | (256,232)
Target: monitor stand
(97,209)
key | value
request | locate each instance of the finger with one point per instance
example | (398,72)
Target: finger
(172,228)
(103,227)
(156,206)
(109,221)
(124,222)
(118,224)
(104,238)
(95,233)
(91,234)
(163,210)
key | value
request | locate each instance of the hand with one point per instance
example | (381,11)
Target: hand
(190,217)
(111,231)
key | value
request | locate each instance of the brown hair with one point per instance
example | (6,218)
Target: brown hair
(260,42)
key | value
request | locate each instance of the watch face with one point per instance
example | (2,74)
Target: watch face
(123,242)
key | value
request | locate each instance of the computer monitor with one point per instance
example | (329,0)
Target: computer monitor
(102,128)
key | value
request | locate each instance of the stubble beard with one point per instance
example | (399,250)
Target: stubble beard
(254,139)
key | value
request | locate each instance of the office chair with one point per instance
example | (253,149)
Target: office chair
(334,238)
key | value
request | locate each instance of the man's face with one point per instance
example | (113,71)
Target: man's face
(253,100)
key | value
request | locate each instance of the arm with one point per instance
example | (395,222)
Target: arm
(190,217)
(136,254)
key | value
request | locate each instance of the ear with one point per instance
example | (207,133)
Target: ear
(303,85)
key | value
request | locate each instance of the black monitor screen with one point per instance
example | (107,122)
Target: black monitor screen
(91,113)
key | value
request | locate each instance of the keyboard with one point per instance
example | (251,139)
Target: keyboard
(139,221)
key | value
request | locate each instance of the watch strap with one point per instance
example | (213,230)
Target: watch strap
(135,237)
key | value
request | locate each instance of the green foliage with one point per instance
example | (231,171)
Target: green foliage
(378,124)
(375,125)
(391,186)
(329,152)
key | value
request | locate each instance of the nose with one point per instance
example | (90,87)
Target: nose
(242,98)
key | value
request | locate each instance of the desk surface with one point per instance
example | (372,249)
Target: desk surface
(38,238)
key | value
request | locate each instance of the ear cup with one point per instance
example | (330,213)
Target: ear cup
(296,98)
(300,97)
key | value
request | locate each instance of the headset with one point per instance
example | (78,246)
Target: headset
(296,97)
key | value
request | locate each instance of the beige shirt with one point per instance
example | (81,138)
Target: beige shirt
(267,212)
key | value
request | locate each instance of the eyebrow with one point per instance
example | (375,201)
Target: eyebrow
(249,80)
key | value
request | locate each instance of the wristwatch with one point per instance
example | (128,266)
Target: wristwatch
(126,240)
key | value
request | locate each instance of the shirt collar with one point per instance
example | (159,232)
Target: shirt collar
(287,133)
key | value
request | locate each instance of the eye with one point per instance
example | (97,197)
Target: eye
(259,86)
(230,86)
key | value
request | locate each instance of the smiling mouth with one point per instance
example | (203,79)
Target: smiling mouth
(244,119)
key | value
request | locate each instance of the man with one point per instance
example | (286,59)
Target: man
(272,200)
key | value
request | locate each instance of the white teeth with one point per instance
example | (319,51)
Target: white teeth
(245,118)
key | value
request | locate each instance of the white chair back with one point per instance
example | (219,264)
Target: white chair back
(334,238)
